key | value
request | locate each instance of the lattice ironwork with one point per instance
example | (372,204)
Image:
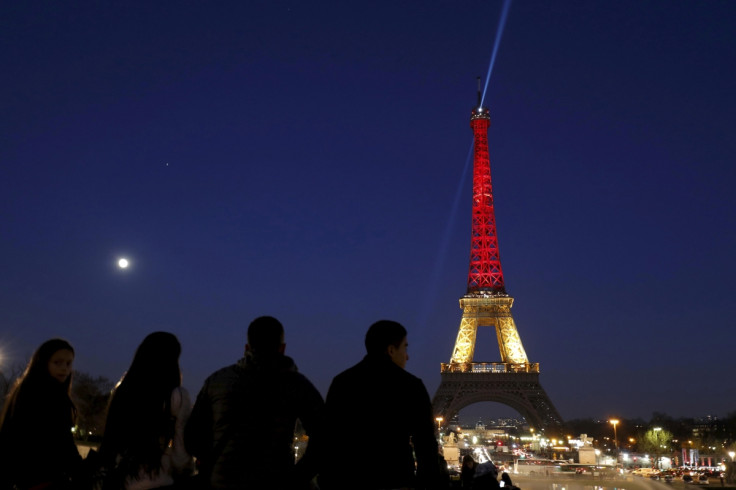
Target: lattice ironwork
(490,311)
(485,272)
(514,381)
(518,390)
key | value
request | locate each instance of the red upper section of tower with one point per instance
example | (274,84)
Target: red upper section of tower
(485,264)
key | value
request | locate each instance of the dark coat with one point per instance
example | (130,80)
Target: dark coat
(486,477)
(36,442)
(378,417)
(467,473)
(242,425)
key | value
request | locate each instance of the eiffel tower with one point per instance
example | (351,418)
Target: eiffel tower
(514,381)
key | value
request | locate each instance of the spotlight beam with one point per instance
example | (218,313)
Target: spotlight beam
(499,33)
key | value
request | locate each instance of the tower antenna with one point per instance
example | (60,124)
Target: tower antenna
(479,100)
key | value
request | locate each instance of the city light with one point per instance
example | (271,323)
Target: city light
(614,422)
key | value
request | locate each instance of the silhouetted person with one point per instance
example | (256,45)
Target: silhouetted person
(36,443)
(144,431)
(467,472)
(444,475)
(486,477)
(242,426)
(391,410)
(507,484)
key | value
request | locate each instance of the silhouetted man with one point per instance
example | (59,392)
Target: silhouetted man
(242,425)
(378,418)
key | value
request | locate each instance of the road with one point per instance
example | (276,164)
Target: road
(588,483)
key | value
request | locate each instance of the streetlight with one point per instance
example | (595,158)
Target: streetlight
(732,454)
(439,422)
(657,433)
(614,422)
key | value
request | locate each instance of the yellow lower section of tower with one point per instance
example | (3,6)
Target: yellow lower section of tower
(492,311)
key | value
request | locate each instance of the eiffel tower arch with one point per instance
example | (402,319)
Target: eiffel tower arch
(513,381)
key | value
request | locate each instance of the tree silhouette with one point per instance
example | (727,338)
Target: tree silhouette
(91,396)
(8,378)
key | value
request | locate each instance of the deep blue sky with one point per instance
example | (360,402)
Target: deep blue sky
(303,160)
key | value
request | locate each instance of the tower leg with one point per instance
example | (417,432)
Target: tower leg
(465,343)
(509,342)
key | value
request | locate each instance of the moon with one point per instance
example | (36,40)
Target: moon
(123,263)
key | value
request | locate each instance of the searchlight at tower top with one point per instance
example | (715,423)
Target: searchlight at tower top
(480,112)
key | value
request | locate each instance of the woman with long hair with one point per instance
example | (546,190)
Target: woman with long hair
(143,440)
(37,447)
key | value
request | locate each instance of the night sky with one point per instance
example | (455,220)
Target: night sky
(310,161)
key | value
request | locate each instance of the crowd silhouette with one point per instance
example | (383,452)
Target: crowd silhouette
(239,432)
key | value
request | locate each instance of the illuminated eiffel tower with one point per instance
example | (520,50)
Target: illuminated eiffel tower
(514,381)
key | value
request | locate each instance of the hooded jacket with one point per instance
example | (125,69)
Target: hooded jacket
(242,425)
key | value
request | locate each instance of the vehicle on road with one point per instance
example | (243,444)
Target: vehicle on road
(645,472)
(536,466)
